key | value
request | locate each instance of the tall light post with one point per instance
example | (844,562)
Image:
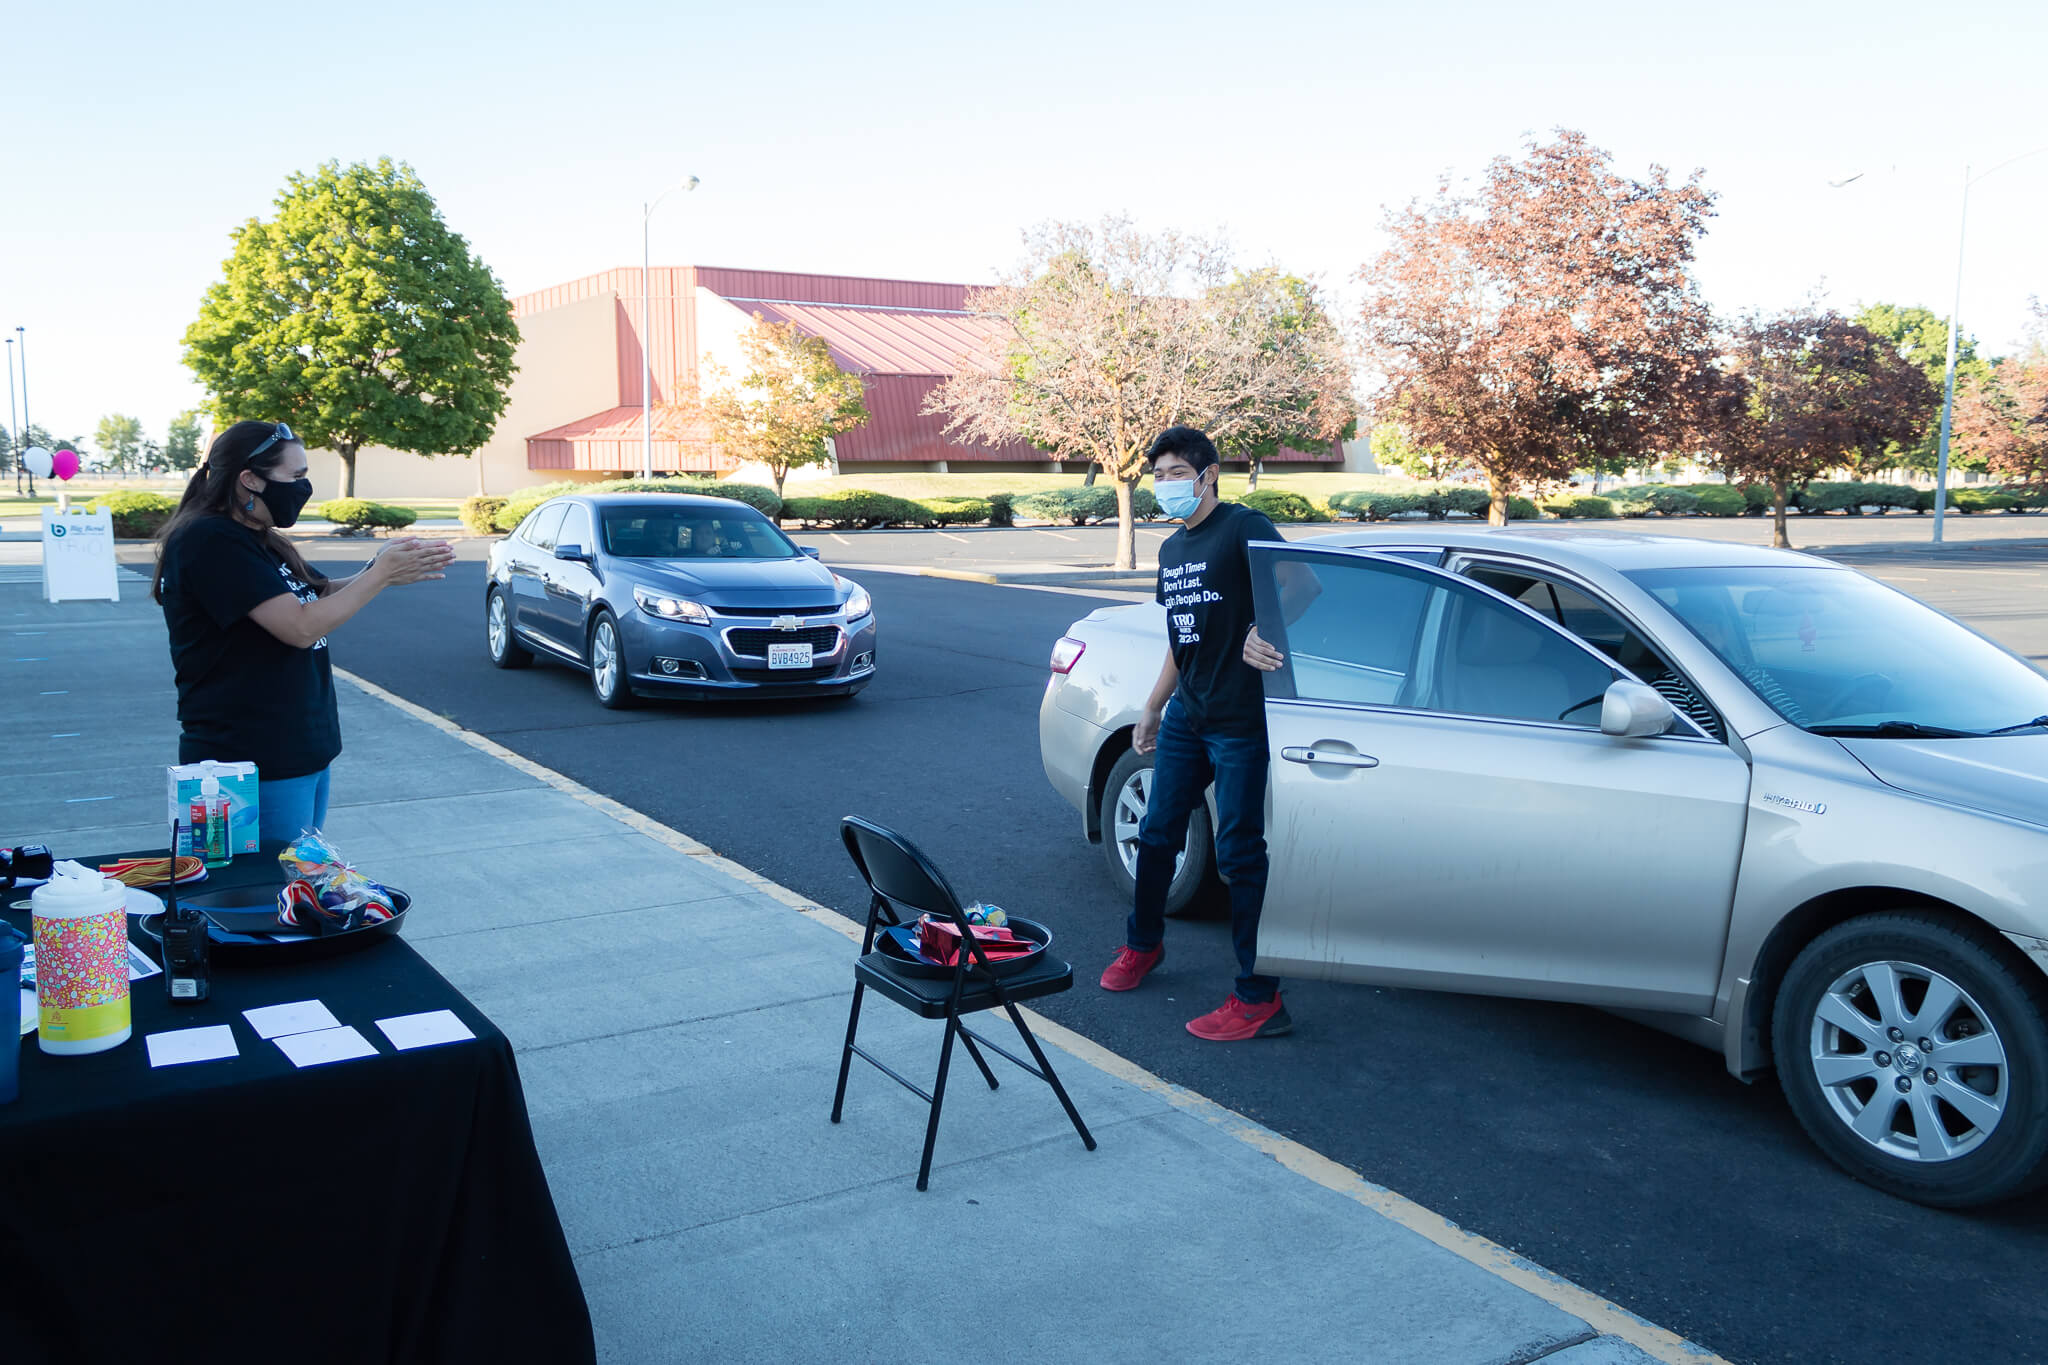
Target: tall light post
(21,335)
(13,420)
(646,339)
(1948,387)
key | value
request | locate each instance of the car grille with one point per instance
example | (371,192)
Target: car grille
(783,675)
(825,610)
(752,642)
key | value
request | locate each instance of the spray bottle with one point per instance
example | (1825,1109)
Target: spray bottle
(212,808)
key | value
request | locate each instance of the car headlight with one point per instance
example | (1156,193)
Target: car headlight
(858,603)
(671,608)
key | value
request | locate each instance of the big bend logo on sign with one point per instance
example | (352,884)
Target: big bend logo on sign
(78,556)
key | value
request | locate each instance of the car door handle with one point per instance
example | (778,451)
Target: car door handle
(1333,756)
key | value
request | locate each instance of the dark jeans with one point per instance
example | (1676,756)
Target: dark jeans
(1183,766)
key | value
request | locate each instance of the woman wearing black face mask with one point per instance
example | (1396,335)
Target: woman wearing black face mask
(249,620)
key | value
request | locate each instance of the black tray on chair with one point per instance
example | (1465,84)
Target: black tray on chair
(889,943)
(240,919)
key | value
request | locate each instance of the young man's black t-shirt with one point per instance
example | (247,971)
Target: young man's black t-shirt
(243,694)
(1205,584)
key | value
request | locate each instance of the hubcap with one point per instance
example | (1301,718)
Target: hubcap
(1868,1075)
(604,658)
(1130,815)
(497,626)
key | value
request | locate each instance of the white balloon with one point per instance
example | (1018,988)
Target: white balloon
(36,461)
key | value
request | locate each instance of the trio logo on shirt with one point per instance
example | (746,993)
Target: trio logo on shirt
(1181,586)
(304,593)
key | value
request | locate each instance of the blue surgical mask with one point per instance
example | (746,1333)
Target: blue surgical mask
(1178,498)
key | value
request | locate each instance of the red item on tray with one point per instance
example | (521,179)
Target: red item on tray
(939,940)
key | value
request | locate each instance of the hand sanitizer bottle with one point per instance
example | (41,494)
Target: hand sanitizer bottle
(215,832)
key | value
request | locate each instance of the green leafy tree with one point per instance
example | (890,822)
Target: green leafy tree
(357,316)
(1394,450)
(1921,339)
(181,441)
(120,440)
(1285,315)
(791,400)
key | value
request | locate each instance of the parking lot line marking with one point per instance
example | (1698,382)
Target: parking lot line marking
(65,692)
(1054,534)
(68,734)
(81,800)
(1603,1316)
(841,539)
(950,536)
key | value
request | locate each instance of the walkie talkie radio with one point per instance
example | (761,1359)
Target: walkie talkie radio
(186,974)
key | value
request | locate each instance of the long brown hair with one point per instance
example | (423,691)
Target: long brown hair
(216,484)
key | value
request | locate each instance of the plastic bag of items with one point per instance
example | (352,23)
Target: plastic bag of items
(323,893)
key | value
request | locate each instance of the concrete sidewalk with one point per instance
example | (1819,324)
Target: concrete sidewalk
(678,1022)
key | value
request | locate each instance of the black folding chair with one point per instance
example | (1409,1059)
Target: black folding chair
(898,875)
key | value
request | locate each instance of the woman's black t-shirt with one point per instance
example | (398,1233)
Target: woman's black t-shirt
(243,694)
(1205,584)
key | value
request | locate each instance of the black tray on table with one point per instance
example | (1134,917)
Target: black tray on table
(889,943)
(240,917)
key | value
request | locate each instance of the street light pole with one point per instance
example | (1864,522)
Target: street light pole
(13,419)
(21,335)
(646,346)
(1948,384)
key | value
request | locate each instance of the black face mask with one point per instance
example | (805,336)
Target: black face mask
(284,498)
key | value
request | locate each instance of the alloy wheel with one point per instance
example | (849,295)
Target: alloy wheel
(498,625)
(1131,800)
(1909,1061)
(604,658)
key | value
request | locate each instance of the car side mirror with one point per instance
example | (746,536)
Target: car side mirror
(574,552)
(1633,710)
(813,551)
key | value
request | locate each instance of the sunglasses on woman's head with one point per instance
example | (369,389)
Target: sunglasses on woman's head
(280,433)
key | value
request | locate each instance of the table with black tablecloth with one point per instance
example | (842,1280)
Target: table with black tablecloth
(387,1208)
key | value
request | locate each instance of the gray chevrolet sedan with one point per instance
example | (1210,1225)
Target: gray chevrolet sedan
(1747,796)
(674,594)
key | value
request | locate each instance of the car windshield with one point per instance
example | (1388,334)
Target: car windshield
(1835,652)
(734,531)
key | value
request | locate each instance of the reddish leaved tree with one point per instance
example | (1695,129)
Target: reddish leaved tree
(2002,419)
(1545,322)
(1809,391)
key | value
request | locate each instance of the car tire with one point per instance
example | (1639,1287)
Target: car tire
(604,657)
(1850,1027)
(505,651)
(1123,806)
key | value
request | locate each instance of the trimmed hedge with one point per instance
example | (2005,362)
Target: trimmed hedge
(357,514)
(1580,508)
(513,510)
(954,511)
(1853,497)
(137,516)
(854,509)
(1082,505)
(1663,499)
(479,515)
(999,512)
(1522,509)
(1280,505)
(1719,500)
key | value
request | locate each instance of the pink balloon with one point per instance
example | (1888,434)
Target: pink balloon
(64,464)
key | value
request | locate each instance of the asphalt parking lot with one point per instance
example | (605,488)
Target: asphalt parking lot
(1620,1158)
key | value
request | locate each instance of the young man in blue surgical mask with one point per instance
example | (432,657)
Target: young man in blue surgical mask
(1204,722)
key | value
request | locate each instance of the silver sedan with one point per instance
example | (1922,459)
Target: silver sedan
(1753,798)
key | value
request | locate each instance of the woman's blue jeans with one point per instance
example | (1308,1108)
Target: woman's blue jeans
(291,806)
(1183,766)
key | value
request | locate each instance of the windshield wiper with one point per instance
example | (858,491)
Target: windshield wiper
(2038,722)
(1892,729)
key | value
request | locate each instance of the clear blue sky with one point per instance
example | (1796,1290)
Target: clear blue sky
(919,140)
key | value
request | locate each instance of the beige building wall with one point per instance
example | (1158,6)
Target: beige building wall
(568,362)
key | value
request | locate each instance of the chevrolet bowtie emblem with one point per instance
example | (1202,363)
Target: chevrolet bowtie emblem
(787,622)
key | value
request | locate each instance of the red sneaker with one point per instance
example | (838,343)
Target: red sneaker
(1236,1020)
(1130,967)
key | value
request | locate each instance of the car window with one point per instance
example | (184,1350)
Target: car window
(575,528)
(540,528)
(1593,622)
(1355,639)
(731,531)
(1379,633)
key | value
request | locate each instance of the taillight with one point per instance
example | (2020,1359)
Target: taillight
(1066,652)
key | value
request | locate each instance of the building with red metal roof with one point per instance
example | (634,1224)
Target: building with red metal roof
(574,407)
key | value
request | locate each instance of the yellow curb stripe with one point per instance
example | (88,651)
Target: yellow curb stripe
(1603,1316)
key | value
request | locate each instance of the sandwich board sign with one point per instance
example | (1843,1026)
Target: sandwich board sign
(78,556)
